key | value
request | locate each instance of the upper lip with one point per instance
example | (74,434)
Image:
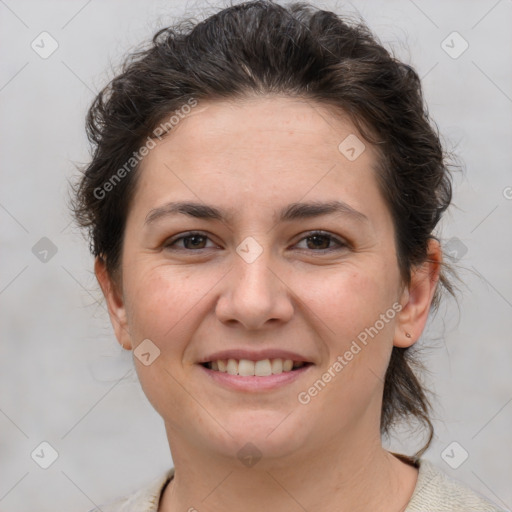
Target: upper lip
(252,355)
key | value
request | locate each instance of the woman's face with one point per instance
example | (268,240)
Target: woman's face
(255,283)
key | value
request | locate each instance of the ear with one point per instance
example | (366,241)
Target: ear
(115,303)
(417,297)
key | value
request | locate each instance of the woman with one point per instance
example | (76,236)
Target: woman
(261,203)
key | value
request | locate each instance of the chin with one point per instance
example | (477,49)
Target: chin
(269,434)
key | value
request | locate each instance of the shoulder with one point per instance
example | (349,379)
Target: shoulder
(435,491)
(145,499)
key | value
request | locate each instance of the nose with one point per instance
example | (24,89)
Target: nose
(255,294)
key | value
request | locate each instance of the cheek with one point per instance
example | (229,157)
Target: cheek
(349,300)
(348,308)
(161,300)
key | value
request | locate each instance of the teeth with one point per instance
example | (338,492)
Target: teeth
(232,367)
(247,368)
(262,368)
(277,366)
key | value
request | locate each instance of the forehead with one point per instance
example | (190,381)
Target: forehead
(260,148)
(266,124)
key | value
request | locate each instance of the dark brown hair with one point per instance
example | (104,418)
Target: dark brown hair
(260,48)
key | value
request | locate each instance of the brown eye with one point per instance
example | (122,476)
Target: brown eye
(319,241)
(191,241)
(194,241)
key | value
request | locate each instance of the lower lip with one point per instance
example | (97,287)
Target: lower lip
(254,383)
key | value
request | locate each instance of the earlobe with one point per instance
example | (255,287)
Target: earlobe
(417,298)
(115,303)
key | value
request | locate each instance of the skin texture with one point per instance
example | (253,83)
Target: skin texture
(252,158)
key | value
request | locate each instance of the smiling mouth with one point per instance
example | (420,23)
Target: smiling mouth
(248,368)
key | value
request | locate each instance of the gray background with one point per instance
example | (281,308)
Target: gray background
(63,377)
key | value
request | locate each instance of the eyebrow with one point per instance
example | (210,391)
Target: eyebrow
(293,211)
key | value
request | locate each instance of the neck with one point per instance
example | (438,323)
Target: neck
(341,476)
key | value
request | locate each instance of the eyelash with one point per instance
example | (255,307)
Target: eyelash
(341,244)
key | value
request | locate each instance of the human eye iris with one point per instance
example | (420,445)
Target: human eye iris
(316,241)
(319,241)
(190,241)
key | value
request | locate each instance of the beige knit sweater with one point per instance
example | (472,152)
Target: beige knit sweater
(434,492)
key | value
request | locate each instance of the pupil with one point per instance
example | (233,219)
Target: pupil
(318,238)
(195,238)
(317,241)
